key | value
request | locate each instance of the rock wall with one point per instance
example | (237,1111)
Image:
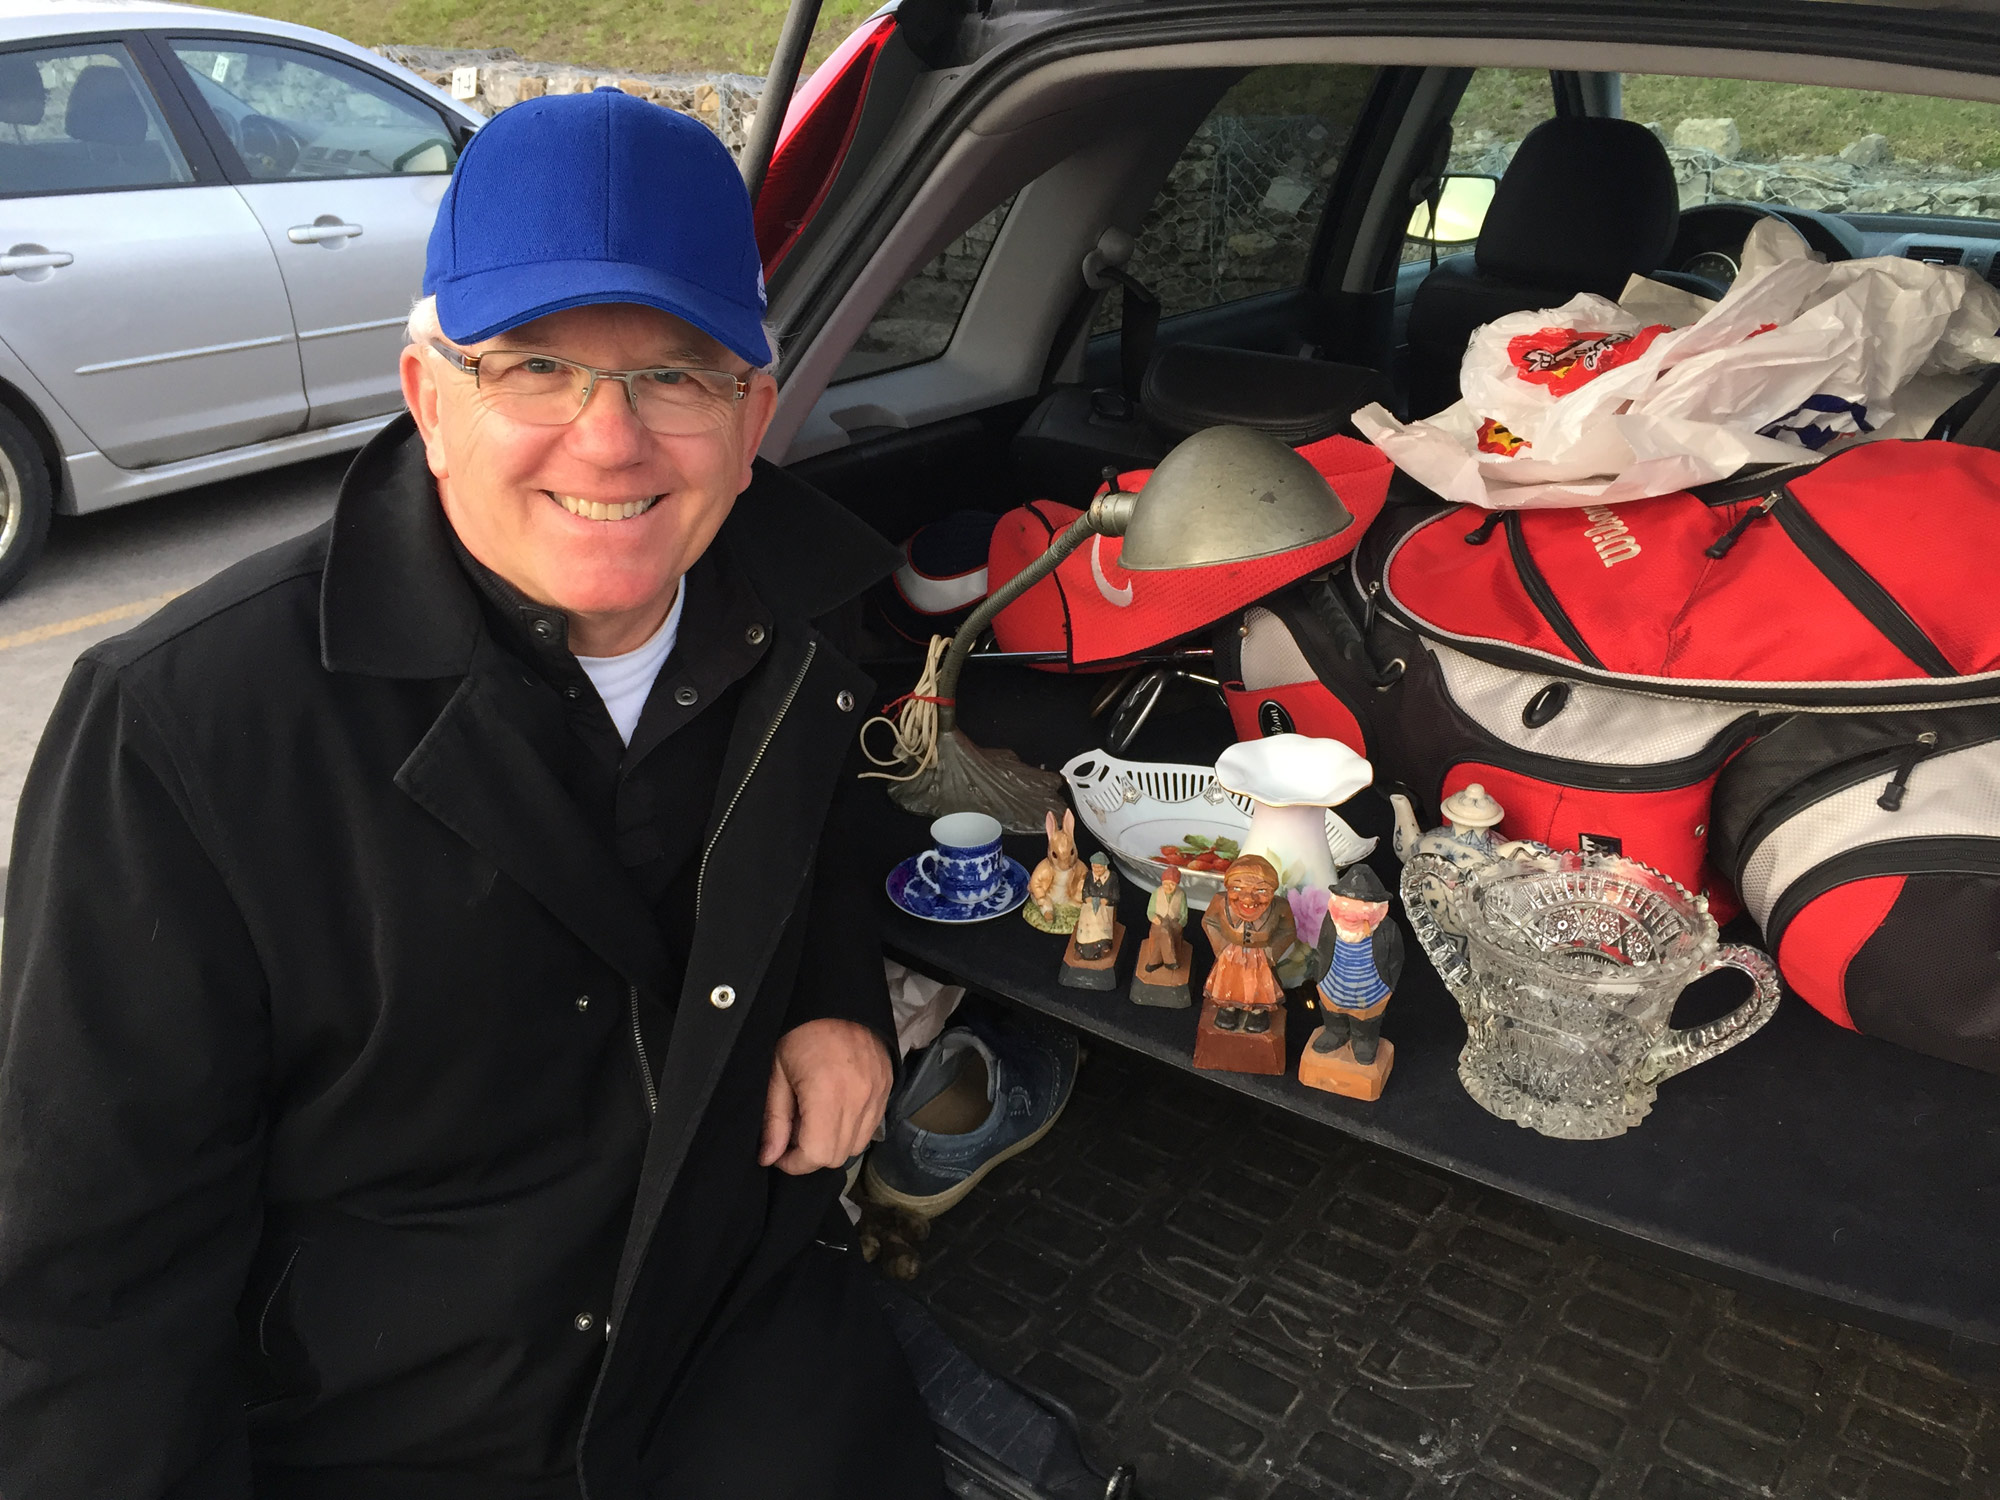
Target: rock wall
(1239,205)
(1865,177)
(725,102)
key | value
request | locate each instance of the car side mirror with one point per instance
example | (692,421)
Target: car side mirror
(1462,202)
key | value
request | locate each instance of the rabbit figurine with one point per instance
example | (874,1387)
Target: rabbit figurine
(1055,890)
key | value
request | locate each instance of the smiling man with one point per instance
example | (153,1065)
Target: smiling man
(435,1006)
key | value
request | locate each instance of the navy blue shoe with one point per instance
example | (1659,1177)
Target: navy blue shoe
(983,1092)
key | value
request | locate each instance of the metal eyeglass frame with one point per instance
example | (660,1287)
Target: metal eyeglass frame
(469,364)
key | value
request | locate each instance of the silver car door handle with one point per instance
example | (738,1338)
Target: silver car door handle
(317,234)
(46,260)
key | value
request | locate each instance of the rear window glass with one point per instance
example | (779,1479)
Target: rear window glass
(916,324)
(1240,208)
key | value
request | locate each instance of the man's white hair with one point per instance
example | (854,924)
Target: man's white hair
(422,327)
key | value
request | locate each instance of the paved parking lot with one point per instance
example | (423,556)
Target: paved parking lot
(104,573)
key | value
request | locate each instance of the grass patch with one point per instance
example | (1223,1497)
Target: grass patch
(635,36)
(1790,119)
(1775,119)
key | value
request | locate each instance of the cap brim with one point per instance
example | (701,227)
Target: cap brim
(485,304)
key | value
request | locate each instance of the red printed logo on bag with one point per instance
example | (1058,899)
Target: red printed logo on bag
(1493,438)
(1564,358)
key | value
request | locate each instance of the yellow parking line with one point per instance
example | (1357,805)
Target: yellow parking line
(85,622)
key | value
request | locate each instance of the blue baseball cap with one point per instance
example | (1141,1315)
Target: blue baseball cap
(600,197)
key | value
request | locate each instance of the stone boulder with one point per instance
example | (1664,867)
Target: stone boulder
(1719,135)
(1869,151)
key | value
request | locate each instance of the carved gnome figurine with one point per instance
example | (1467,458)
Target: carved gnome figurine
(1361,952)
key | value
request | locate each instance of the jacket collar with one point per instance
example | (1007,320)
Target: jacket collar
(394,601)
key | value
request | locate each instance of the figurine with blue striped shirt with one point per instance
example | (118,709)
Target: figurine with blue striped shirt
(1361,956)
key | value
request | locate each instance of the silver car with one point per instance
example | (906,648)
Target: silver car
(211,229)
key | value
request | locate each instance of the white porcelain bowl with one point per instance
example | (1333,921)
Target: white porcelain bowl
(1133,808)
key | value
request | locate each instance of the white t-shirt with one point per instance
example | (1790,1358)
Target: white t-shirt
(624,681)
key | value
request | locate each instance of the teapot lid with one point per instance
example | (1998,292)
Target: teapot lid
(1472,807)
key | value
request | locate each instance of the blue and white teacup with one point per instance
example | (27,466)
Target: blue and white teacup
(966,866)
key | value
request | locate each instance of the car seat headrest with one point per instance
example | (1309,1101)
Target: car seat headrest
(22,96)
(1585,203)
(104,107)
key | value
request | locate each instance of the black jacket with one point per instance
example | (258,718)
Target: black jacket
(325,1141)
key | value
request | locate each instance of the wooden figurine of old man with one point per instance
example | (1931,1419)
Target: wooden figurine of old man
(1160,977)
(1361,952)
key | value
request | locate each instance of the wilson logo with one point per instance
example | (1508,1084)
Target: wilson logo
(1611,537)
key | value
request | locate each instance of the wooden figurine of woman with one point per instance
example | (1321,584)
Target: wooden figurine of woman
(1089,960)
(1250,930)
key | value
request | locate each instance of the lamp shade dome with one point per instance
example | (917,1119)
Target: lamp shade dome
(1225,495)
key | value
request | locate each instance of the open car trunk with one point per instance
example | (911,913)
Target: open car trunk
(1786,1282)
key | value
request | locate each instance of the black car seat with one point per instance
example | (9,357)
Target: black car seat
(105,113)
(1584,204)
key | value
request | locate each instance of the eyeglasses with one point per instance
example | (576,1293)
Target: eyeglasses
(544,391)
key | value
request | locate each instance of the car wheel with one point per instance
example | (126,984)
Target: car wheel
(25,500)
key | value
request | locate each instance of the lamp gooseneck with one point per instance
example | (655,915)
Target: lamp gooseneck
(1109,514)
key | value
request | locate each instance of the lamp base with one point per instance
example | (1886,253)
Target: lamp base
(965,778)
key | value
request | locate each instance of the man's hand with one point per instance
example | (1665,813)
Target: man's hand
(829,1083)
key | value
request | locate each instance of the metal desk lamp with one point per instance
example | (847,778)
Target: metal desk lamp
(1225,495)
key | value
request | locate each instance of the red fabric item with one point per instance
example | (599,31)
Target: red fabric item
(1821,941)
(1637,584)
(1313,709)
(819,127)
(1656,828)
(1099,612)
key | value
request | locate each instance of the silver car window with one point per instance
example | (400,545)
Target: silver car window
(81,119)
(295,115)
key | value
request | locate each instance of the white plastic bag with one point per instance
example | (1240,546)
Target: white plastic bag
(1586,405)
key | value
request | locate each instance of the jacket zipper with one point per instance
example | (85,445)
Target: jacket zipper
(771,733)
(1542,596)
(701,876)
(645,1065)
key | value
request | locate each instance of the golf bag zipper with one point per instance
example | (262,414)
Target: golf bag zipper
(1858,586)
(1719,548)
(1542,596)
(1919,856)
(1892,795)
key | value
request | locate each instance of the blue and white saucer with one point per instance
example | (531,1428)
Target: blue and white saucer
(919,900)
